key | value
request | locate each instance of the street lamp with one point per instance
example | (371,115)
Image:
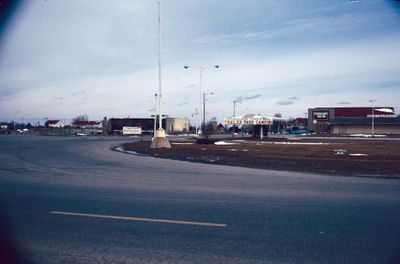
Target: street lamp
(372,101)
(155,116)
(204,112)
(160,140)
(236,101)
(195,120)
(201,69)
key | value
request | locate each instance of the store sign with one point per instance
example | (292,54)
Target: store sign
(131,130)
(321,115)
(391,116)
(239,121)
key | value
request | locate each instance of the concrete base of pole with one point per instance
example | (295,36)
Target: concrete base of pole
(160,141)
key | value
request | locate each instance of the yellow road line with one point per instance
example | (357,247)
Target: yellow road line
(138,219)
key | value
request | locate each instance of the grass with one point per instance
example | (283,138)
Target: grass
(380,158)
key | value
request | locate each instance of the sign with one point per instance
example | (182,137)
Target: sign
(239,121)
(321,115)
(391,116)
(131,130)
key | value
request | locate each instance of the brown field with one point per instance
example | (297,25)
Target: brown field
(378,158)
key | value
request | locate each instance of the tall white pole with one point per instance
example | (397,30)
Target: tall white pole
(373,122)
(372,101)
(155,116)
(201,69)
(159,65)
(160,140)
(201,93)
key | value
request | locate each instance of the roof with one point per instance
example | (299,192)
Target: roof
(86,123)
(52,122)
(364,121)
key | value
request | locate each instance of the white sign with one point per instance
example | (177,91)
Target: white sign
(131,130)
(239,121)
(321,115)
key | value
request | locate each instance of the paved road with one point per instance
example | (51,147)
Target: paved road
(71,200)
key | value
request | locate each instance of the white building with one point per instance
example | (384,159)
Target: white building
(54,123)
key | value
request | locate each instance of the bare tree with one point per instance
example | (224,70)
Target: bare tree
(78,118)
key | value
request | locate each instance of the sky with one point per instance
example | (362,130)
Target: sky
(61,59)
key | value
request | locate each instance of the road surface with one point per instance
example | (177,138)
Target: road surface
(72,200)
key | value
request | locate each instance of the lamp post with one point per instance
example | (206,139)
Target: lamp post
(201,69)
(155,115)
(372,101)
(236,101)
(195,120)
(160,140)
(204,113)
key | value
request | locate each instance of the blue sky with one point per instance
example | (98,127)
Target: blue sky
(60,59)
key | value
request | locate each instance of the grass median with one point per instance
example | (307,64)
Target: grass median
(373,158)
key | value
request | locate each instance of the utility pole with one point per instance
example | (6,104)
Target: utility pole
(372,101)
(203,129)
(238,100)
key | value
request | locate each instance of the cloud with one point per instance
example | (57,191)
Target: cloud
(59,97)
(285,102)
(294,26)
(294,98)
(244,98)
(251,97)
(78,93)
(343,103)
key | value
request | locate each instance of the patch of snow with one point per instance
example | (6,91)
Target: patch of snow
(339,152)
(119,149)
(224,143)
(385,110)
(296,143)
(366,135)
(131,152)
(358,154)
(181,143)
(233,149)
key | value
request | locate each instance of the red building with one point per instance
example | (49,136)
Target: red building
(346,120)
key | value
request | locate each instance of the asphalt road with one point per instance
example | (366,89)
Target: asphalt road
(72,200)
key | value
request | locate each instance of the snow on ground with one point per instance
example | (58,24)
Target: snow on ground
(224,143)
(296,143)
(366,135)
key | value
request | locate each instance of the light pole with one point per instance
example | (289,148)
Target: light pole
(372,101)
(160,140)
(155,115)
(201,69)
(195,120)
(203,130)
(236,101)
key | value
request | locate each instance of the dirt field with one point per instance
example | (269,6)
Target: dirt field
(375,158)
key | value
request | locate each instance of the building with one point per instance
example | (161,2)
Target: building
(258,125)
(171,125)
(353,120)
(177,125)
(361,125)
(88,124)
(54,123)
